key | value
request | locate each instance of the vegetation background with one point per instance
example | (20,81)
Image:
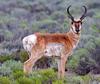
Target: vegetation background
(19,18)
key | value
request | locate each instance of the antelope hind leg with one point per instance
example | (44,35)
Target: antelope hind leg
(28,65)
(30,62)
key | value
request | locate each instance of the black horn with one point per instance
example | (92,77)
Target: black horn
(84,14)
(70,16)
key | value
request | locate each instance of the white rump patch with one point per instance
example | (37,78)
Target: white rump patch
(29,42)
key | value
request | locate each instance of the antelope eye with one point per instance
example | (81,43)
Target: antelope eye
(71,22)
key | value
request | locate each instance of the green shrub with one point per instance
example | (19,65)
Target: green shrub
(97,41)
(17,74)
(14,82)
(8,34)
(74,80)
(73,63)
(95,29)
(65,24)
(58,82)
(48,74)
(75,59)
(43,76)
(4,19)
(86,79)
(37,80)
(23,56)
(57,14)
(45,21)
(4,80)
(24,24)
(25,80)
(36,77)
(97,15)
(5,71)
(13,65)
(9,66)
(44,25)
(81,53)
(90,46)
(4,58)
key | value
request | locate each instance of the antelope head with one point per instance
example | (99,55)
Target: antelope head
(76,23)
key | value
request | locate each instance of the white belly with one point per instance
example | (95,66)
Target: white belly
(54,49)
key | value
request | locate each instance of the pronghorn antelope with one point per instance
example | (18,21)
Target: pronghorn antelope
(59,45)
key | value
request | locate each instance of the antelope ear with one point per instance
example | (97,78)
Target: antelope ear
(81,21)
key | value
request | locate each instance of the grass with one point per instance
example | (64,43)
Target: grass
(43,76)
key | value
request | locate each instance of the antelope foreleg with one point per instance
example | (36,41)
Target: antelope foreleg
(61,67)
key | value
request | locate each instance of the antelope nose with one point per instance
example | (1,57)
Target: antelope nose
(77,30)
